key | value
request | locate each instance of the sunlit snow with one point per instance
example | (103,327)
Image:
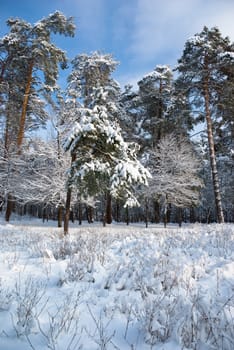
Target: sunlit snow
(116,287)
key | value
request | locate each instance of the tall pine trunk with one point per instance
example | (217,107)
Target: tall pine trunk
(9,199)
(20,135)
(68,203)
(218,202)
(6,138)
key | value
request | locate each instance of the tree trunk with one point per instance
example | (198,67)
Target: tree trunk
(6,155)
(108,209)
(127,215)
(169,212)
(9,207)
(179,216)
(218,202)
(68,202)
(20,135)
(157,211)
(165,216)
(117,211)
(80,213)
(89,214)
(192,215)
(60,216)
(6,138)
(146,213)
(67,210)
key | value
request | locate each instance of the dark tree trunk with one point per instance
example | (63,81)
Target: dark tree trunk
(117,211)
(127,215)
(6,138)
(165,216)
(68,202)
(80,213)
(72,216)
(108,209)
(45,214)
(157,212)
(20,135)
(6,155)
(192,216)
(179,216)
(169,212)
(67,211)
(89,214)
(146,213)
(9,207)
(60,216)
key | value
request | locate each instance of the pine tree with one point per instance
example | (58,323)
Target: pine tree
(202,75)
(102,162)
(25,52)
(155,91)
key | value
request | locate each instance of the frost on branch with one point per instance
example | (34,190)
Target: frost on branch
(104,162)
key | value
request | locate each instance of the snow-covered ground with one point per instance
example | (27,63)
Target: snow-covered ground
(116,287)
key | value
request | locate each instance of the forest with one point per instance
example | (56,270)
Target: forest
(163,152)
(155,160)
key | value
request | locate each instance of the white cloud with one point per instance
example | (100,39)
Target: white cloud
(162,27)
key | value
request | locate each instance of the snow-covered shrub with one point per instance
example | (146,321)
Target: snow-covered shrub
(62,248)
(80,267)
(28,296)
(6,297)
(62,324)
(154,321)
(206,322)
(101,334)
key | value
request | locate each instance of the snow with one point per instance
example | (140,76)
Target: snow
(116,287)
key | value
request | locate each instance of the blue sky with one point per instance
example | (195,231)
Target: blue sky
(139,33)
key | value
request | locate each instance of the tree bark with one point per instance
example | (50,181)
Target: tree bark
(108,209)
(218,201)
(6,155)
(68,202)
(20,135)
(117,211)
(89,214)
(60,216)
(67,210)
(9,207)
(80,213)
(169,212)
(146,213)
(157,211)
(6,138)
(179,216)
(165,215)
(127,215)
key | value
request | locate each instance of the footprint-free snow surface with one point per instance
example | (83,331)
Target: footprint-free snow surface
(116,287)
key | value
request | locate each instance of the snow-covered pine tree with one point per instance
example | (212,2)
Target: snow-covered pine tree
(203,74)
(103,163)
(29,47)
(26,51)
(155,90)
